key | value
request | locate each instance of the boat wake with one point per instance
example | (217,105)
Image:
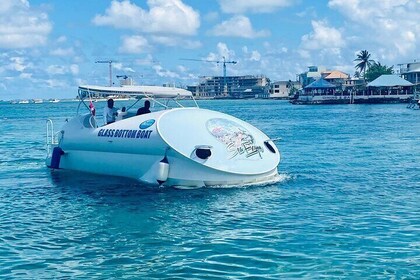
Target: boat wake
(279,178)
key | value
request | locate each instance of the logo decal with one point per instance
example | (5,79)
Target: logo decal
(237,139)
(146,124)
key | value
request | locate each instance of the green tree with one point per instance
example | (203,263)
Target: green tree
(376,70)
(291,86)
(364,62)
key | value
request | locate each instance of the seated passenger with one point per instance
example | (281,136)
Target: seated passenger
(110,112)
(145,109)
(120,114)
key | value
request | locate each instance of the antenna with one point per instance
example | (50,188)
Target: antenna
(110,69)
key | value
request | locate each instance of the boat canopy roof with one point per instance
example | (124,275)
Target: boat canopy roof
(135,91)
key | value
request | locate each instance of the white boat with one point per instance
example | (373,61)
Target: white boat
(54,100)
(184,146)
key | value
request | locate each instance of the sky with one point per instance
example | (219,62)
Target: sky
(49,47)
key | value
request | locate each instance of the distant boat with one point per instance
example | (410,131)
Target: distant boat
(23,101)
(54,100)
(415,101)
(38,101)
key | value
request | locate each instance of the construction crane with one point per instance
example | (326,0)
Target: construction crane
(216,61)
(110,69)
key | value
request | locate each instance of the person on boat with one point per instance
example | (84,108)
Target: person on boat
(110,112)
(145,109)
(120,114)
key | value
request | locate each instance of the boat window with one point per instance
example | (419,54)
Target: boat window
(203,153)
(269,146)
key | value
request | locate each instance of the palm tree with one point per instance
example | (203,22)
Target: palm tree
(364,61)
(376,70)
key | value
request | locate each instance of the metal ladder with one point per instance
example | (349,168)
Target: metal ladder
(51,137)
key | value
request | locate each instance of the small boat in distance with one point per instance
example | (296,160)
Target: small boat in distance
(54,100)
(183,146)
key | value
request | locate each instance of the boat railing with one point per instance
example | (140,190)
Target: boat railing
(51,136)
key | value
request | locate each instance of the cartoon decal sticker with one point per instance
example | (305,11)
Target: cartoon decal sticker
(238,140)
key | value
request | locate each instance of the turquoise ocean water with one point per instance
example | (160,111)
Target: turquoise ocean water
(347,205)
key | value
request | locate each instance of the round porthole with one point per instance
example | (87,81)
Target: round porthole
(269,146)
(203,153)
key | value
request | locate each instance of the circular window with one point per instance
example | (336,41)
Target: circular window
(269,147)
(203,153)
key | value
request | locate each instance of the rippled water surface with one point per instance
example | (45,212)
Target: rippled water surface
(347,205)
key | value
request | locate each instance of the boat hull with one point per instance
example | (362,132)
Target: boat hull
(188,147)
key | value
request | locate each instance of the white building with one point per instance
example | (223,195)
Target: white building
(283,89)
(313,74)
(249,86)
(411,72)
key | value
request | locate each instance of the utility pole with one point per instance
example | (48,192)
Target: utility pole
(110,69)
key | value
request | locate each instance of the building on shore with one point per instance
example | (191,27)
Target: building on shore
(234,87)
(384,89)
(335,77)
(411,72)
(284,89)
(314,73)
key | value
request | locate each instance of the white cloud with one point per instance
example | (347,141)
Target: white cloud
(224,51)
(390,27)
(62,39)
(74,69)
(211,16)
(172,41)
(62,52)
(53,83)
(56,70)
(121,67)
(238,26)
(21,26)
(18,63)
(304,54)
(182,69)
(25,76)
(164,73)
(63,69)
(8,5)
(134,44)
(322,37)
(148,60)
(255,56)
(254,6)
(164,17)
